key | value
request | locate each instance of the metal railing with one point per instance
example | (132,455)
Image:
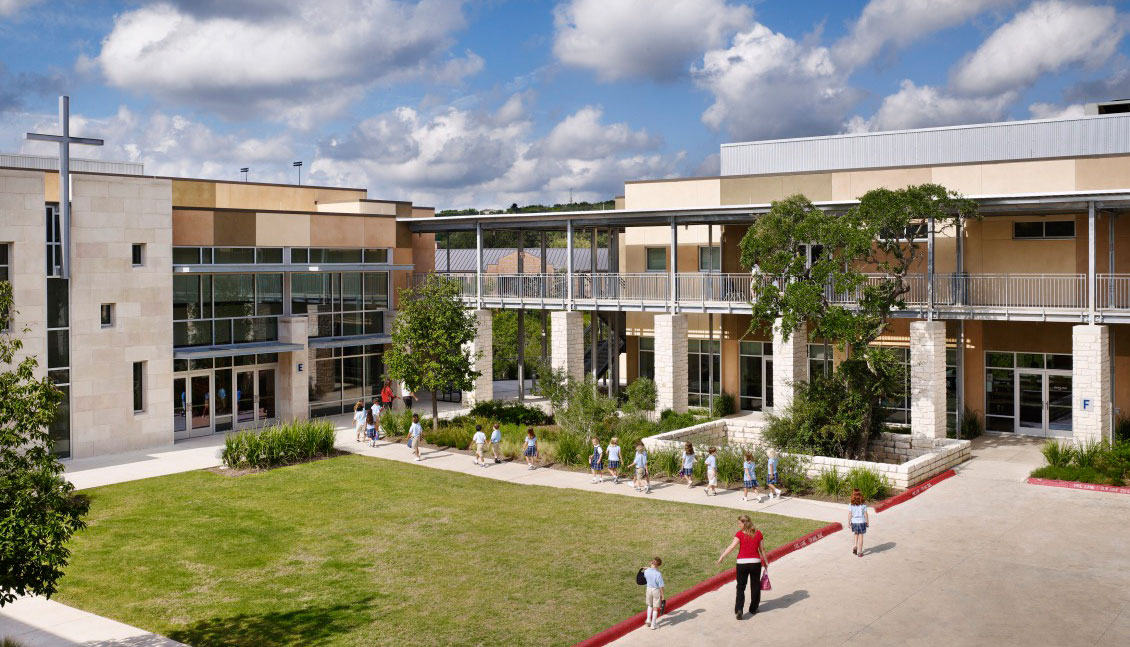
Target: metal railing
(997,291)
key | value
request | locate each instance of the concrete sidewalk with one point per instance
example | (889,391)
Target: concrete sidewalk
(980,559)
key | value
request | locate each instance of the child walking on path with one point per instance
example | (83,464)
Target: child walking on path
(496,443)
(359,419)
(596,461)
(531,448)
(371,428)
(688,465)
(858,519)
(712,472)
(415,432)
(654,595)
(749,478)
(642,476)
(771,476)
(479,439)
(614,459)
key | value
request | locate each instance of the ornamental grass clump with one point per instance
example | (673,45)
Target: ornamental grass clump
(282,444)
(830,483)
(870,483)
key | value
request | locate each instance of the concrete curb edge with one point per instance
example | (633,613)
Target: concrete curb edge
(622,628)
(913,492)
(1078,485)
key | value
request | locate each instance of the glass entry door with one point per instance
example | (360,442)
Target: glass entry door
(254,396)
(1043,403)
(192,406)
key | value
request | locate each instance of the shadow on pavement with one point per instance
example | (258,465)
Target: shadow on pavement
(878,548)
(783,602)
(675,617)
(316,625)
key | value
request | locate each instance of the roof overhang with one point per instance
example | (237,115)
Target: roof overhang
(234,350)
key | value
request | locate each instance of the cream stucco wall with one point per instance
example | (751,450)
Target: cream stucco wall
(109,215)
(22,229)
(673,194)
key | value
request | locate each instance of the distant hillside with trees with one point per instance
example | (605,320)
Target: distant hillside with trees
(533,208)
(496,238)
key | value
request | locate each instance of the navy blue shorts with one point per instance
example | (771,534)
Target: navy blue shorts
(614,464)
(749,485)
(686,471)
(531,451)
(859,528)
(772,480)
(371,433)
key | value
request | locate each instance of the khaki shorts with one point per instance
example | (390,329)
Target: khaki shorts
(651,597)
(479,447)
(641,472)
(712,477)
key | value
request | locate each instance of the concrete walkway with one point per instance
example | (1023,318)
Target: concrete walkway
(981,559)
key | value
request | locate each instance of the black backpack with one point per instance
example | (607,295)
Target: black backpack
(640,579)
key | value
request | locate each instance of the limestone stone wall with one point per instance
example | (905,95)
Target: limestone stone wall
(22,218)
(1090,381)
(671,380)
(109,214)
(293,400)
(567,342)
(790,364)
(483,347)
(927,381)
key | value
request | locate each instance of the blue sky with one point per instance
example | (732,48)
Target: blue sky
(457,103)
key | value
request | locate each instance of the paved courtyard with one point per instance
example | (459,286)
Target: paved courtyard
(981,559)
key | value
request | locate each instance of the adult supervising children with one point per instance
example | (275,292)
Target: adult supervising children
(751,557)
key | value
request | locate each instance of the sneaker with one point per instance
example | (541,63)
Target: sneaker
(417,458)
(854,550)
(497,461)
(653,624)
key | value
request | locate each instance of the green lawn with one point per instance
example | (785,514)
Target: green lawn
(363,551)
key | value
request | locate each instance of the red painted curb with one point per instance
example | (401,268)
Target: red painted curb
(913,492)
(1076,485)
(622,628)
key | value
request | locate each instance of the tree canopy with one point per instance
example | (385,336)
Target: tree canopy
(429,340)
(843,274)
(39,509)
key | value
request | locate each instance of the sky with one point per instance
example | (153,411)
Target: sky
(482,103)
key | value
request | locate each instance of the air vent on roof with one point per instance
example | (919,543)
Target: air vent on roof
(1108,107)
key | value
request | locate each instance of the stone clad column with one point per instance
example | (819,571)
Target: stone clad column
(790,364)
(483,346)
(567,342)
(1090,383)
(927,382)
(294,371)
(671,362)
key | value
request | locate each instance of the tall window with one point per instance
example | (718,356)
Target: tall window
(341,304)
(137,254)
(704,361)
(819,359)
(900,407)
(647,357)
(226,308)
(339,377)
(4,275)
(756,364)
(710,259)
(656,259)
(138,387)
(58,335)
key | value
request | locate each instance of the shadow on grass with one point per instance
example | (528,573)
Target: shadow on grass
(309,626)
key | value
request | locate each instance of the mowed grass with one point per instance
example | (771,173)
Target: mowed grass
(362,551)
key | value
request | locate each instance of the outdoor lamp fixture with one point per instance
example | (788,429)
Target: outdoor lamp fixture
(298,165)
(244,170)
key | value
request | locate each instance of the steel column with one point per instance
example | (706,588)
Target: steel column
(521,319)
(479,263)
(930,271)
(1091,305)
(568,264)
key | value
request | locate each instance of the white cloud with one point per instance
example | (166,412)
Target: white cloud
(898,23)
(1044,38)
(768,85)
(293,62)
(621,39)
(471,158)
(11,7)
(1054,111)
(924,106)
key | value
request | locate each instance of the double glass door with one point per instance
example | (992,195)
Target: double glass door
(222,400)
(1043,403)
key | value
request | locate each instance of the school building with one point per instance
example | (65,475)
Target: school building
(1021,316)
(185,307)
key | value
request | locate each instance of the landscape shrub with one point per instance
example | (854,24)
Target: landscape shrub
(872,485)
(665,462)
(1122,428)
(826,418)
(452,435)
(510,413)
(969,423)
(1074,473)
(723,405)
(670,421)
(396,423)
(1088,463)
(282,444)
(1058,454)
(830,483)
(641,395)
(572,449)
(1088,454)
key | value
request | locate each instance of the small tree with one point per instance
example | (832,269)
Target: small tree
(585,407)
(641,395)
(39,509)
(883,235)
(429,341)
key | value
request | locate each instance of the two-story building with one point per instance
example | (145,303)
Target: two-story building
(1020,317)
(195,307)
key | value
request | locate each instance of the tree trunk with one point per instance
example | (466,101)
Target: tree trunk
(435,411)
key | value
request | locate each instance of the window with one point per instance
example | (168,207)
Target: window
(3,277)
(107,315)
(376,255)
(1044,229)
(1010,377)
(226,308)
(54,243)
(900,407)
(756,375)
(138,387)
(137,254)
(819,359)
(341,304)
(704,361)
(656,259)
(710,259)
(339,377)
(647,357)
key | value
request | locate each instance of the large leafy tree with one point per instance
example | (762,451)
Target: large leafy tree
(429,340)
(845,294)
(39,509)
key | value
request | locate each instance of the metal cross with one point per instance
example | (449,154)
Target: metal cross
(65,140)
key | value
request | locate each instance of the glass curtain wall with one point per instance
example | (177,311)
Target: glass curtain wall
(339,377)
(701,353)
(341,304)
(215,309)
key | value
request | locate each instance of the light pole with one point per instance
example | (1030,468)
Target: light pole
(298,165)
(245,170)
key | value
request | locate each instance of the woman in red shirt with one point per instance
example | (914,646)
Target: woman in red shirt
(751,555)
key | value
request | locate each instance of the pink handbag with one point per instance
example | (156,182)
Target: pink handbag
(765,585)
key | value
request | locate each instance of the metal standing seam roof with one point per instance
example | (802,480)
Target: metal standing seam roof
(463,260)
(968,144)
